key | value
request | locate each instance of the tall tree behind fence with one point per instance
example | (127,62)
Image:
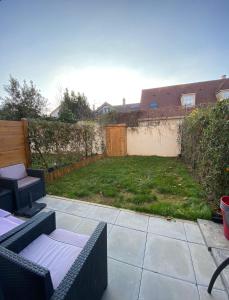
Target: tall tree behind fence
(14,147)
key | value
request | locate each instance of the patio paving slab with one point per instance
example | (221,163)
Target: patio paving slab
(79,209)
(159,287)
(193,233)
(169,257)
(215,295)
(132,220)
(104,214)
(213,234)
(69,223)
(56,203)
(204,265)
(87,226)
(127,245)
(219,256)
(173,229)
(123,281)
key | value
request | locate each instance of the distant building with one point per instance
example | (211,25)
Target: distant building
(55,112)
(169,101)
(107,107)
(104,109)
(185,95)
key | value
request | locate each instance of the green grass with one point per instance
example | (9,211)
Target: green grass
(157,185)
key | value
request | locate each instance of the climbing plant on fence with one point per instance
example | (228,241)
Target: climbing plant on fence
(54,143)
(204,138)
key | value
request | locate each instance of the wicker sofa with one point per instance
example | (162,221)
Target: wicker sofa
(21,278)
(8,222)
(9,225)
(26,184)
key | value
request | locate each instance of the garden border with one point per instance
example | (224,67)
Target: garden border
(57,173)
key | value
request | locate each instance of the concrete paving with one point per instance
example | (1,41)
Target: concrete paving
(149,258)
(213,234)
(220,255)
(193,233)
(169,257)
(203,265)
(218,245)
(173,229)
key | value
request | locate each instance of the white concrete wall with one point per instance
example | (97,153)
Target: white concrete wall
(158,137)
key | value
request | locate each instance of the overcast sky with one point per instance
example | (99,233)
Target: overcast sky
(112,49)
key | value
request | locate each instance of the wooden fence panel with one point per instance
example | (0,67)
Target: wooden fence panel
(14,146)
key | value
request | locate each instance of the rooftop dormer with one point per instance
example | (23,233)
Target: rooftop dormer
(222,94)
(188,100)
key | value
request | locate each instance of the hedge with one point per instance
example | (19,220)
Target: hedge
(204,137)
(55,143)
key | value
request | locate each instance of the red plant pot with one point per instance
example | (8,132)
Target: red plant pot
(224,205)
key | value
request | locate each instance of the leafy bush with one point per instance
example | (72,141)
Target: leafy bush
(22,101)
(74,107)
(204,137)
(56,143)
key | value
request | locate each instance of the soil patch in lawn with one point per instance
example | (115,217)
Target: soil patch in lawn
(158,185)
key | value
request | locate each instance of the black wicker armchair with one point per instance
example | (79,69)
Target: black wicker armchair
(20,278)
(27,185)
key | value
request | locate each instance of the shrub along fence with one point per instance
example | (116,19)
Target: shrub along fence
(204,138)
(57,144)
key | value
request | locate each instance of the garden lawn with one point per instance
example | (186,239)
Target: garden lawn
(157,185)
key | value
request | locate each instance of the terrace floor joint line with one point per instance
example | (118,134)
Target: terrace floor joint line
(140,284)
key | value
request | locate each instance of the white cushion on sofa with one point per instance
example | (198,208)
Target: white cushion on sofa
(17,171)
(56,256)
(26,181)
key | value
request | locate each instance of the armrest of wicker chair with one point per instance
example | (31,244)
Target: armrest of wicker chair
(42,217)
(42,224)
(39,174)
(9,183)
(22,279)
(36,173)
(87,278)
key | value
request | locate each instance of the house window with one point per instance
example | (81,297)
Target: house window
(188,100)
(153,105)
(223,94)
(106,109)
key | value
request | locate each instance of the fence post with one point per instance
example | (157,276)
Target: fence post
(26,141)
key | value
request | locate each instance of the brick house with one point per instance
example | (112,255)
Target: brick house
(185,95)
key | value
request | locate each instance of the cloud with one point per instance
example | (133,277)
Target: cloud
(101,84)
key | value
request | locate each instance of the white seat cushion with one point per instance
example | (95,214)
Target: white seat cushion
(13,172)
(26,181)
(4,213)
(6,225)
(56,256)
(69,237)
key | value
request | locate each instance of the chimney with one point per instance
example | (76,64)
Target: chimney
(223,76)
(123,101)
